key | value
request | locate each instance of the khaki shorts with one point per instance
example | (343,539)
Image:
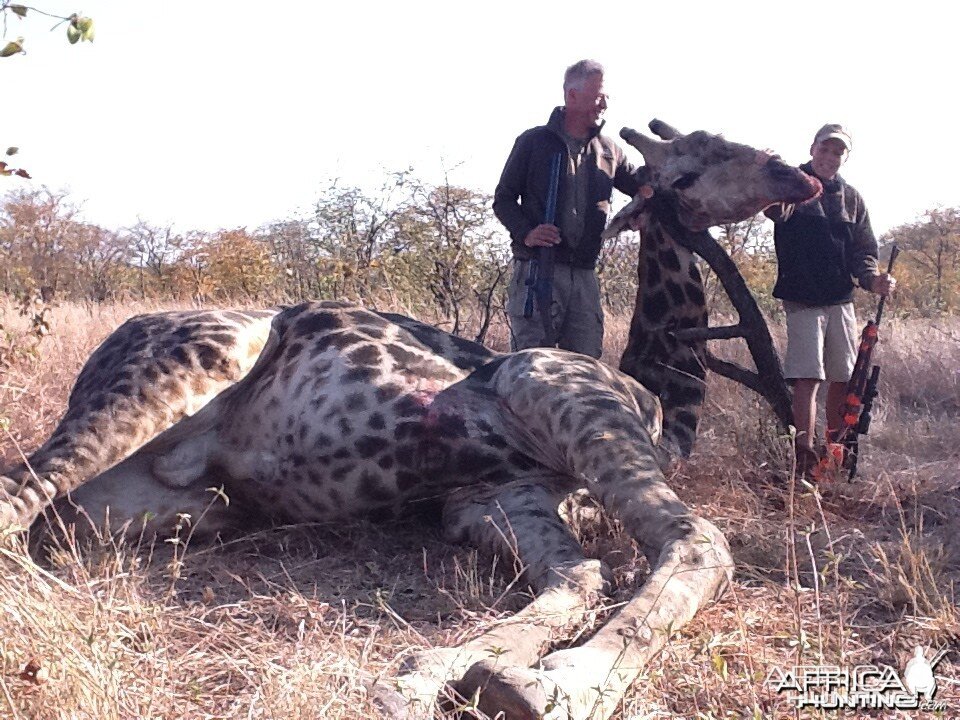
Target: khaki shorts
(821,341)
(575,312)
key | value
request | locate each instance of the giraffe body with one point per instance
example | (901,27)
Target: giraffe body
(323,410)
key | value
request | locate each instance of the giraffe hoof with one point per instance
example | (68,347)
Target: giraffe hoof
(512,693)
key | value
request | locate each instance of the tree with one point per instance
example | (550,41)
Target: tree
(749,243)
(153,249)
(929,270)
(36,230)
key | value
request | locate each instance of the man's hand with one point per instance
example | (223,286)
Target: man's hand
(883,284)
(542,236)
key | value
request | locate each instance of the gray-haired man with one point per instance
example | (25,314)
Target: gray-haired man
(591,166)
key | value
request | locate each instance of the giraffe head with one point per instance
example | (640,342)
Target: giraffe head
(689,183)
(708,179)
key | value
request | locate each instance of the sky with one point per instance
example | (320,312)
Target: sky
(210,114)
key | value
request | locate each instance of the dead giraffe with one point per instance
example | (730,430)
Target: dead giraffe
(351,411)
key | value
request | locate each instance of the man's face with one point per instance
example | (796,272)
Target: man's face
(827,156)
(590,101)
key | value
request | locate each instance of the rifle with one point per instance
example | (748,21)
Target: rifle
(540,274)
(856,410)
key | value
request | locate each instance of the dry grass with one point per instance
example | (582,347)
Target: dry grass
(288,622)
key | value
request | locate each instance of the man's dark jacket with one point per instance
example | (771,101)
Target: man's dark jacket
(526,177)
(822,244)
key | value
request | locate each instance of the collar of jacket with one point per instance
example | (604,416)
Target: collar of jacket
(555,123)
(829,186)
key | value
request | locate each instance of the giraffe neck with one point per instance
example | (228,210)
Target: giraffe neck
(669,297)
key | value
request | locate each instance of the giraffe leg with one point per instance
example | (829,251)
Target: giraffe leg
(691,566)
(599,432)
(131,498)
(518,519)
(151,372)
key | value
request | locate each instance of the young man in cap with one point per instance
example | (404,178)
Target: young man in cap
(591,166)
(822,245)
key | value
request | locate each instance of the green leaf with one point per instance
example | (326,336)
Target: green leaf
(18,10)
(13,150)
(73,34)
(12,48)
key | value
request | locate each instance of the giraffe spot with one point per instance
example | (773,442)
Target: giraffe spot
(123,389)
(359,375)
(451,426)
(676,292)
(316,323)
(360,315)
(668,259)
(552,368)
(385,393)
(409,429)
(335,497)
(485,372)
(339,473)
(695,293)
(367,354)
(355,402)
(374,333)
(341,453)
(405,455)
(407,406)
(653,274)
(346,427)
(655,306)
(293,351)
(180,355)
(369,445)
(370,488)
(694,273)
(604,404)
(386,462)
(406,480)
(376,421)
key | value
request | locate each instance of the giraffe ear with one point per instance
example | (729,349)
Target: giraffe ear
(625,219)
(654,151)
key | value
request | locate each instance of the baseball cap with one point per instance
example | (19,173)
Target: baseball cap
(833,130)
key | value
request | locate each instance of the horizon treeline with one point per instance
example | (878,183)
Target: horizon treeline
(429,250)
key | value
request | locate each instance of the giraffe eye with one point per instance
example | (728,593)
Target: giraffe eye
(685,181)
